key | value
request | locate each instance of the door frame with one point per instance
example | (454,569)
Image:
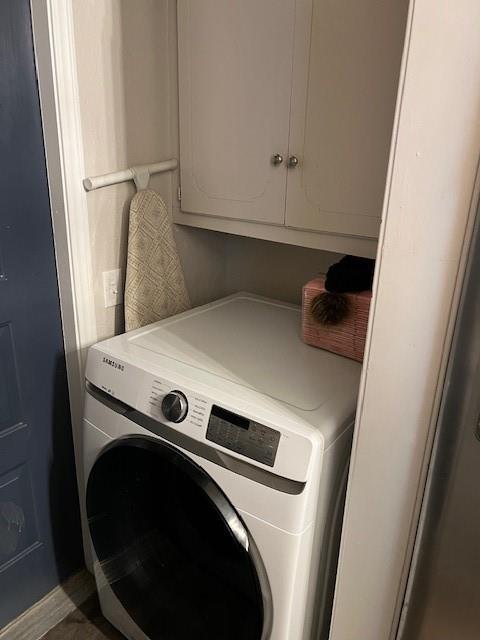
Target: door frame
(429,208)
(425,230)
(54,44)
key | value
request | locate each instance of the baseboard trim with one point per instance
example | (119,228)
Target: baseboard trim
(50,610)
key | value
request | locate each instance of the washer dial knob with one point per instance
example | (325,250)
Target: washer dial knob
(175,406)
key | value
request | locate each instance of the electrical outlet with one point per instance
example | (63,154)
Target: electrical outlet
(112,287)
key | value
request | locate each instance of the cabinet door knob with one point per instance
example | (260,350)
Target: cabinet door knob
(292,162)
(277,159)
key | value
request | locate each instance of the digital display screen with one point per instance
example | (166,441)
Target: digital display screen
(247,437)
(230,417)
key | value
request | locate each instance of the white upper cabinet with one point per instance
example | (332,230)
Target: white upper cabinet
(235,68)
(345,79)
(314,81)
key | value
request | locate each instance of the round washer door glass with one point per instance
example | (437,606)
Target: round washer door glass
(174,551)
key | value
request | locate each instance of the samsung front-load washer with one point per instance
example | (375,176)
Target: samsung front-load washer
(215,449)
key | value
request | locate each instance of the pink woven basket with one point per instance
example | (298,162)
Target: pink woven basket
(346,338)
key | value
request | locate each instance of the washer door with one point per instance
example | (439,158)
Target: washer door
(176,554)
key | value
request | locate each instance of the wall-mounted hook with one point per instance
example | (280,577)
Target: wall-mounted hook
(97,182)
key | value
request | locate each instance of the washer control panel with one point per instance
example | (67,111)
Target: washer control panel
(244,436)
(208,416)
(200,419)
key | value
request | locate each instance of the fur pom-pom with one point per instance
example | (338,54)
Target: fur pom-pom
(329,308)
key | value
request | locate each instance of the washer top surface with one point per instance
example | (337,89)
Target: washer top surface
(256,343)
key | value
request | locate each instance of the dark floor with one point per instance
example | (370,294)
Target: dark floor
(85,623)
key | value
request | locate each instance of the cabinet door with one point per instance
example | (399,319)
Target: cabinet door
(345,82)
(235,68)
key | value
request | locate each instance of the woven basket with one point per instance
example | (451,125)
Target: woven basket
(346,338)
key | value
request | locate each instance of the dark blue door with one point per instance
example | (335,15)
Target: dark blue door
(39,521)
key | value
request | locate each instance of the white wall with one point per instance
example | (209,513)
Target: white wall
(127,71)
(118,45)
(272,269)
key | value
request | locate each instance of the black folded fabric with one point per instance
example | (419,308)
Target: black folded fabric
(350,275)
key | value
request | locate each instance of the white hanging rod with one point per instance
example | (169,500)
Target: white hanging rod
(128,174)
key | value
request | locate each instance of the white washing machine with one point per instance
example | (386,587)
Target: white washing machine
(215,455)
